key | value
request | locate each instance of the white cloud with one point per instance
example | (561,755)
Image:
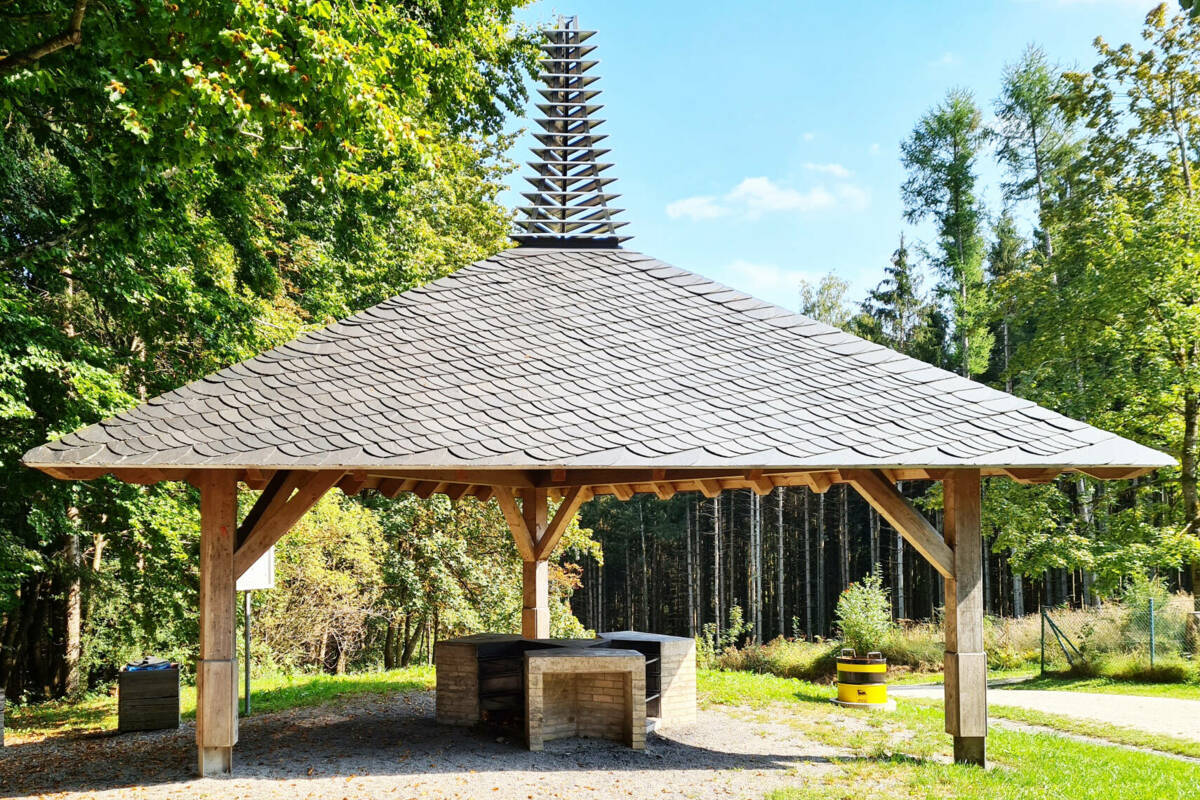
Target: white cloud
(873,149)
(754,197)
(764,280)
(947,59)
(808,136)
(836,170)
(763,194)
(699,207)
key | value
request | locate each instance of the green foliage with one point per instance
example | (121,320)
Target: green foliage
(186,188)
(711,643)
(864,615)
(941,159)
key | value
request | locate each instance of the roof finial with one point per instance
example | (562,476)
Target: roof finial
(569,204)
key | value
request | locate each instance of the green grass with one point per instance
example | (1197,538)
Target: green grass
(905,753)
(1099,730)
(96,713)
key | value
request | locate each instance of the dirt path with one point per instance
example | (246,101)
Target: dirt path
(390,747)
(1164,715)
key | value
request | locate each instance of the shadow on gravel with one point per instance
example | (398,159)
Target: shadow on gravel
(397,738)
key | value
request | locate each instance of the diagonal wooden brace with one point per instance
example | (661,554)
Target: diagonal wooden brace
(881,493)
(283,503)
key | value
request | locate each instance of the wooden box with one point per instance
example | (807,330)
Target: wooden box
(148,700)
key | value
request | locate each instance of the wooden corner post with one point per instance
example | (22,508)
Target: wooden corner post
(966,663)
(535,607)
(536,537)
(216,672)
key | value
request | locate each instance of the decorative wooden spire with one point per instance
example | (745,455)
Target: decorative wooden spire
(569,204)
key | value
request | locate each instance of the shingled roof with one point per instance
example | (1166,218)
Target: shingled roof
(541,358)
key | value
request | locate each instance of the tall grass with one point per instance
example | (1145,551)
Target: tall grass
(1108,638)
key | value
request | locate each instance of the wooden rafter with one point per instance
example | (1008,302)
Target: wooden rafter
(297,492)
(574,498)
(892,506)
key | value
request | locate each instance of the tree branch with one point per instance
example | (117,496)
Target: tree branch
(71,37)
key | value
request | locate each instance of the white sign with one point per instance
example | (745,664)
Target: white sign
(261,574)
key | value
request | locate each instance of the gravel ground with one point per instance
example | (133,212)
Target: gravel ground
(390,747)
(1165,715)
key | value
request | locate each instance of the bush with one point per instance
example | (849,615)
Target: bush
(864,615)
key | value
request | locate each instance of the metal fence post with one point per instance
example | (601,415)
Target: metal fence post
(1151,633)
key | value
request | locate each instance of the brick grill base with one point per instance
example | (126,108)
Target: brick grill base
(481,679)
(592,693)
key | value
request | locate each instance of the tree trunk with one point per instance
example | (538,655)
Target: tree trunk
(780,492)
(691,577)
(1188,477)
(74,608)
(389,645)
(821,563)
(1018,594)
(717,563)
(844,537)
(645,574)
(808,582)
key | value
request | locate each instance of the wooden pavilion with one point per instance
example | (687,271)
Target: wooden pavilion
(570,367)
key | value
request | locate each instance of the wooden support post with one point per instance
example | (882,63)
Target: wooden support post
(966,663)
(216,672)
(535,611)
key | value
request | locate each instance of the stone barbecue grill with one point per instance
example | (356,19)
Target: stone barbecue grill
(548,688)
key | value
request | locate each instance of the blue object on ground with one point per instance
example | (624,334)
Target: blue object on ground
(150,662)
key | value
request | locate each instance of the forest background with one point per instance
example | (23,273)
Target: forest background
(181,188)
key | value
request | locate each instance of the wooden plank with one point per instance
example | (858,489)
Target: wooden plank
(516,522)
(893,507)
(820,482)
(1115,473)
(425,489)
(710,488)
(966,663)
(392,487)
(623,491)
(664,491)
(455,491)
(1033,476)
(562,518)
(760,483)
(271,497)
(353,483)
(512,478)
(216,709)
(280,515)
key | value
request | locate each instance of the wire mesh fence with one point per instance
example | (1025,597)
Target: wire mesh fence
(1117,638)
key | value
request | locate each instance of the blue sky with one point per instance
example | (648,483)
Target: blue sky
(757,143)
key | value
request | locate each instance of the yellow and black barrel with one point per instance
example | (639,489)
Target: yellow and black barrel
(862,682)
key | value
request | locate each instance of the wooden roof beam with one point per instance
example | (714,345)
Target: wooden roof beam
(562,518)
(900,514)
(293,496)
(1033,476)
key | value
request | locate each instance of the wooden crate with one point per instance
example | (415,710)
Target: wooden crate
(148,700)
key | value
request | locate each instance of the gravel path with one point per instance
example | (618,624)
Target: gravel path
(390,747)
(1165,715)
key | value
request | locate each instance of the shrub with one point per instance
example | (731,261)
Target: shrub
(864,615)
